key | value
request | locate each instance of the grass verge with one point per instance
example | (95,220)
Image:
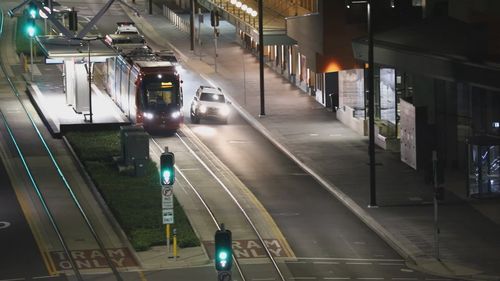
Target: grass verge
(134,201)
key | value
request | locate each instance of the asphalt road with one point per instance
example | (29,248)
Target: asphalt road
(20,256)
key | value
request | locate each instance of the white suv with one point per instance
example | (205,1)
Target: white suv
(125,27)
(209,103)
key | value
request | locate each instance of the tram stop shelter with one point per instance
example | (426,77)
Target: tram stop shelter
(61,91)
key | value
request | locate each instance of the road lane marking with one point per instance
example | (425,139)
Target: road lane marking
(370,278)
(337,278)
(351,259)
(404,278)
(326,262)
(359,263)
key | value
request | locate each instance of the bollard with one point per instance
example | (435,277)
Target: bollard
(175,245)
(167,232)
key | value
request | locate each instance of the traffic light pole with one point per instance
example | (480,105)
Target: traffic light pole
(215,47)
(31,57)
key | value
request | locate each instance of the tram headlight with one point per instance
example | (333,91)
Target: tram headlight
(203,108)
(176,114)
(148,115)
(224,111)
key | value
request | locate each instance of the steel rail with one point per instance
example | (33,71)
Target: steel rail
(60,173)
(249,220)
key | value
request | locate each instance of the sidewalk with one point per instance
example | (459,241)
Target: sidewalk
(303,129)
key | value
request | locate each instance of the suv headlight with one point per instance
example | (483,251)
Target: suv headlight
(148,115)
(203,108)
(175,114)
(224,111)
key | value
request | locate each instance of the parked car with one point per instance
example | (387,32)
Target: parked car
(209,103)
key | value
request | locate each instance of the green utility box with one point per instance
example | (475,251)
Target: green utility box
(135,147)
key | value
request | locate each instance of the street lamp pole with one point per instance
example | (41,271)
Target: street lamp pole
(89,71)
(371,107)
(261,58)
(371,99)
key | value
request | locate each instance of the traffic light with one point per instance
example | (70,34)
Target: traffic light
(31,27)
(214,18)
(73,20)
(167,172)
(223,250)
(32,10)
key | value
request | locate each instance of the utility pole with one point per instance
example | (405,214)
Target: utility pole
(191,24)
(371,107)
(261,58)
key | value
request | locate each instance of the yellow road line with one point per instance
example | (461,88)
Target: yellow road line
(142,276)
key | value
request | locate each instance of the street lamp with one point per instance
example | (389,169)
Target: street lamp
(249,12)
(371,100)
(244,8)
(238,5)
(371,95)
(254,14)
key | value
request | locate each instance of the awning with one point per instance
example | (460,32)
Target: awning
(59,47)
(436,49)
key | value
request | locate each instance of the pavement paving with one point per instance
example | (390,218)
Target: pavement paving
(469,243)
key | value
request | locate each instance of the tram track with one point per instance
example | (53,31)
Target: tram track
(223,177)
(52,188)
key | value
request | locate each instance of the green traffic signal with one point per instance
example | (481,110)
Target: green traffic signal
(31,27)
(32,10)
(31,31)
(167,173)
(223,250)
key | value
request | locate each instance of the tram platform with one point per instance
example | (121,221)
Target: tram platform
(47,94)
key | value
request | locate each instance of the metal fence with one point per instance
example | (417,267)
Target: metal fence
(179,22)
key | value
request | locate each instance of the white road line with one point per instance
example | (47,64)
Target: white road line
(189,169)
(436,279)
(351,259)
(370,278)
(337,278)
(404,278)
(14,279)
(362,263)
(326,262)
(303,278)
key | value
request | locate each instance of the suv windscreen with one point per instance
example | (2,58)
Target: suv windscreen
(212,97)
